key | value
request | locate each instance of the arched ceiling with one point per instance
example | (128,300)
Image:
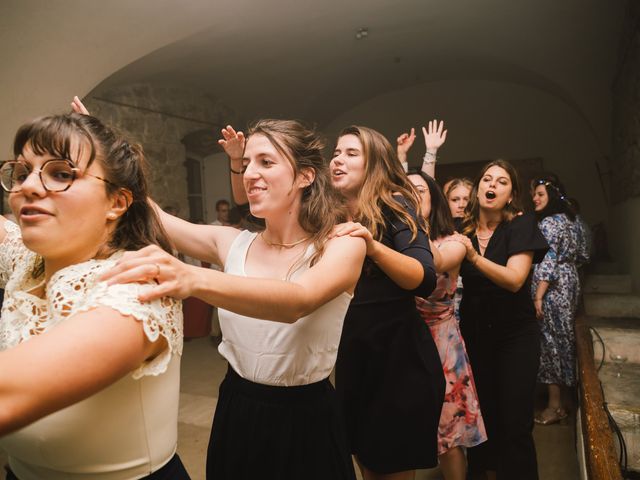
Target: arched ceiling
(301,59)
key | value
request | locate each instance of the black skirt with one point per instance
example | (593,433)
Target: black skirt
(390,383)
(279,433)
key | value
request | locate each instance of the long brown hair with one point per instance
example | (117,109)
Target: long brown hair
(123,163)
(321,206)
(510,210)
(384,178)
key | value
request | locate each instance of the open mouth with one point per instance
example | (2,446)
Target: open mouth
(490,195)
(29,211)
(338,173)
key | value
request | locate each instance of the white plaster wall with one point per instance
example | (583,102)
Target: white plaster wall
(51,51)
(623,234)
(217,185)
(488,120)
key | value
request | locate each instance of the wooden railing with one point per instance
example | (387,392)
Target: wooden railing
(600,452)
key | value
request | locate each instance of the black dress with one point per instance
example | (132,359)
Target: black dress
(389,378)
(503,343)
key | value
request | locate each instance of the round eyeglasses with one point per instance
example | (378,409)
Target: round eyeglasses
(56,175)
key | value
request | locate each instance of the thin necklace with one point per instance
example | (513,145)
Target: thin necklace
(283,245)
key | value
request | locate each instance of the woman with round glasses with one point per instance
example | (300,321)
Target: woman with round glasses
(89,374)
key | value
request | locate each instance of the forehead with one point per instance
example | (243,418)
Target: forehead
(460,190)
(496,172)
(418,181)
(78,152)
(540,189)
(349,141)
(258,144)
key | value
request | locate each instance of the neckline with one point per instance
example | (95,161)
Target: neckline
(489,243)
(254,236)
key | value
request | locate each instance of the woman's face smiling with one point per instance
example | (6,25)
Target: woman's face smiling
(495,189)
(269,179)
(458,199)
(540,198)
(348,166)
(63,227)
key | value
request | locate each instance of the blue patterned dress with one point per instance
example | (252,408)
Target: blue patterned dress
(557,357)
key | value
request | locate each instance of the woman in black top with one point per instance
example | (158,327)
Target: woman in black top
(498,321)
(388,373)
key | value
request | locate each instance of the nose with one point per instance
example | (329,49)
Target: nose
(250,171)
(337,160)
(32,185)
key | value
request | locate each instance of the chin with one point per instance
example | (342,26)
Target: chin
(37,243)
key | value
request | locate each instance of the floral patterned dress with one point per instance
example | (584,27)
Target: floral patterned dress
(461,421)
(557,357)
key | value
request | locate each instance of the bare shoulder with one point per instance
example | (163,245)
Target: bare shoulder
(347,245)
(223,238)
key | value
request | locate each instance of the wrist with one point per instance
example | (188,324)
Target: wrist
(429,158)
(373,249)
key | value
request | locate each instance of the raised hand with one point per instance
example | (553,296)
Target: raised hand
(232,142)
(405,141)
(78,107)
(434,135)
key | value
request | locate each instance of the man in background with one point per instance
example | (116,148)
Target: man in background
(222,211)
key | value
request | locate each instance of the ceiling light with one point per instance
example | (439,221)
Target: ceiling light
(362,33)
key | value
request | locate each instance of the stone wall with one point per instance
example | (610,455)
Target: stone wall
(625,161)
(159,118)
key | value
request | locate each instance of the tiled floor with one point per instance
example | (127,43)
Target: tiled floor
(203,369)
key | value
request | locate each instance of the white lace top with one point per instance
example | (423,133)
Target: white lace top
(127,430)
(275,353)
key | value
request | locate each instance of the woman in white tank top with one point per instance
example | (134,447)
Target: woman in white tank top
(282,296)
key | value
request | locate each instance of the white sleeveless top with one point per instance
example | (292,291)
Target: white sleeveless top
(123,432)
(275,353)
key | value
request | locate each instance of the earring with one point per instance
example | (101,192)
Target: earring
(112,216)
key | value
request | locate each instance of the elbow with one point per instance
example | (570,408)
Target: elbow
(12,417)
(427,284)
(515,287)
(291,317)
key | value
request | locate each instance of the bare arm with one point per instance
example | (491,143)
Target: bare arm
(404,143)
(449,256)
(434,138)
(510,277)
(209,243)
(69,363)
(233,143)
(336,272)
(406,271)
(543,286)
